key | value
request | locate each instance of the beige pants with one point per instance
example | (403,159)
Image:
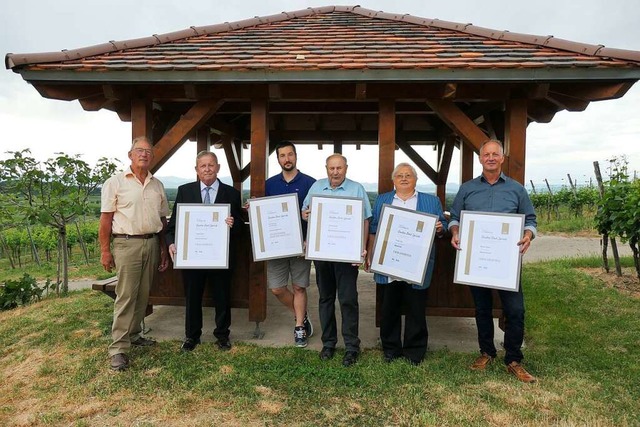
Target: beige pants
(136,265)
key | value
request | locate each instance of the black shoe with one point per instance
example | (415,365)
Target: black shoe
(143,342)
(350,358)
(189,344)
(308,326)
(119,362)
(390,357)
(327,353)
(223,344)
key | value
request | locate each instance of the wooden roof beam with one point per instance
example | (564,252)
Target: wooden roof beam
(541,111)
(417,159)
(459,122)
(180,131)
(568,103)
(592,91)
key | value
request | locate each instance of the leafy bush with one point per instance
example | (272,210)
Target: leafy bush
(619,209)
(14,293)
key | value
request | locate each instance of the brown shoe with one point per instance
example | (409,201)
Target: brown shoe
(119,362)
(516,369)
(481,363)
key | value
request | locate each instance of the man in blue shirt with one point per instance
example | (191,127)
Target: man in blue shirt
(494,192)
(291,180)
(338,277)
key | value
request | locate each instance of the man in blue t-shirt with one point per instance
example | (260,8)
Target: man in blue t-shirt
(291,180)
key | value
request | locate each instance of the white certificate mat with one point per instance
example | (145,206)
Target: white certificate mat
(202,236)
(404,241)
(336,229)
(276,230)
(489,255)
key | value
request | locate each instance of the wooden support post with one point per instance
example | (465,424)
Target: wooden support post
(443,168)
(141,119)
(515,133)
(259,155)
(466,162)
(203,139)
(337,146)
(234,160)
(386,144)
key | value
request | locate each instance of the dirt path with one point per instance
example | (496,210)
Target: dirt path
(555,247)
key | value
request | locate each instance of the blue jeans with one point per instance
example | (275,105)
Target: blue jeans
(513,308)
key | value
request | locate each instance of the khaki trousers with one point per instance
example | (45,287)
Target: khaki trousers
(136,265)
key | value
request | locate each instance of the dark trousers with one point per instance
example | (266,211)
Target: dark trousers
(395,295)
(513,307)
(338,277)
(194,284)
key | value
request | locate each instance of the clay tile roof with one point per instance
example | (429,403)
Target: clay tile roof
(330,38)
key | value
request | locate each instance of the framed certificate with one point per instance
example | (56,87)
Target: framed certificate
(489,255)
(202,236)
(336,229)
(276,230)
(403,243)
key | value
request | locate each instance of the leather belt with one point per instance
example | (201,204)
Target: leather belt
(134,236)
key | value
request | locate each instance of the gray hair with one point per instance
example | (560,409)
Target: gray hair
(203,153)
(334,155)
(404,165)
(495,141)
(139,139)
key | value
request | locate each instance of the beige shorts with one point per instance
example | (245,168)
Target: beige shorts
(279,271)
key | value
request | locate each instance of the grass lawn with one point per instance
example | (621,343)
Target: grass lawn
(583,342)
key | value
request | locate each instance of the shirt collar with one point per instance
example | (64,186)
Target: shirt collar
(213,186)
(293,180)
(129,172)
(502,178)
(395,195)
(328,186)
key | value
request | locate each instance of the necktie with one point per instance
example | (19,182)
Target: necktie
(207,196)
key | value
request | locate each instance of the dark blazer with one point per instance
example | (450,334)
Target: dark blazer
(190,193)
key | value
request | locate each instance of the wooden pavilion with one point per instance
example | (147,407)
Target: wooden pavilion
(334,75)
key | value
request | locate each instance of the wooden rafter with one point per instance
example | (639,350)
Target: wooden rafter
(179,132)
(418,160)
(458,121)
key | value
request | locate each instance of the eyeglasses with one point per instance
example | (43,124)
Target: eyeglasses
(140,151)
(404,176)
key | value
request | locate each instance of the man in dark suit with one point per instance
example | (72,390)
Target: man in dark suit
(207,189)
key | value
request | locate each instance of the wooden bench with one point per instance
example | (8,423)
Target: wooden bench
(108,287)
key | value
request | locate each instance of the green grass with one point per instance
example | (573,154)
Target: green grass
(568,222)
(78,269)
(583,342)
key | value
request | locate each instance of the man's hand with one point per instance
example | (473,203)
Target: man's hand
(525,242)
(164,260)
(229,221)
(455,237)
(172,252)
(364,259)
(106,259)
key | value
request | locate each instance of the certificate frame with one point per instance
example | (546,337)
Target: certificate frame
(403,243)
(327,242)
(489,256)
(267,239)
(201,228)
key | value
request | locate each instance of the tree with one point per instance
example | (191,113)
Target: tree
(53,193)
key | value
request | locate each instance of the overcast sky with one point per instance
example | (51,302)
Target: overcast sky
(569,144)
